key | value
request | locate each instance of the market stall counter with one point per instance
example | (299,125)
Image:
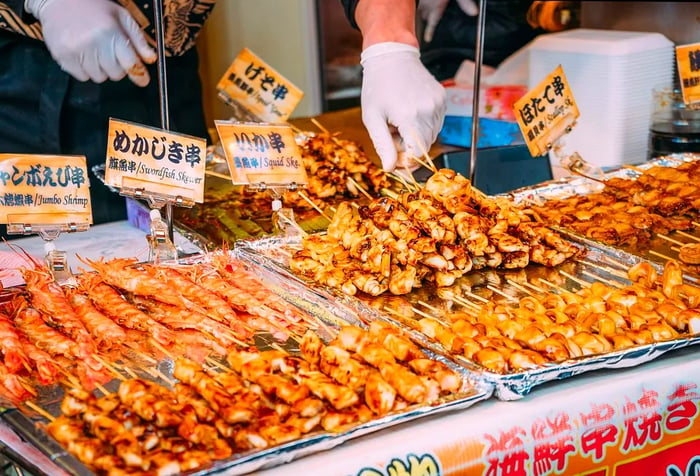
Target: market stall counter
(635,421)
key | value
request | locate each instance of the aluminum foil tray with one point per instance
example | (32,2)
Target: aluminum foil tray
(657,248)
(599,264)
(331,316)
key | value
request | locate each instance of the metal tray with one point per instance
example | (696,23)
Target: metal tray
(657,248)
(319,305)
(495,286)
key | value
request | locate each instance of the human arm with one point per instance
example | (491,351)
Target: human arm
(397,90)
(101,41)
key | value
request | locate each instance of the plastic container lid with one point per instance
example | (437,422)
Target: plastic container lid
(601,42)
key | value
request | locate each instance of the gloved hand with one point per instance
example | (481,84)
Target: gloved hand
(431,11)
(93,39)
(398,90)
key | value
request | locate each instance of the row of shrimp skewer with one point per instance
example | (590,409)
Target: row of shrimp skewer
(262,399)
(196,310)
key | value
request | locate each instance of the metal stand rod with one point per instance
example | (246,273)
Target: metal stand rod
(163,93)
(478,61)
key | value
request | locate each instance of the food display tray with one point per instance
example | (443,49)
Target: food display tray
(29,425)
(657,247)
(600,263)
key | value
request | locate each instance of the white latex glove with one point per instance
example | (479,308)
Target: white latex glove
(398,90)
(93,39)
(431,11)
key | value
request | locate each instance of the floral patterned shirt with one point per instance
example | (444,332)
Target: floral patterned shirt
(183,20)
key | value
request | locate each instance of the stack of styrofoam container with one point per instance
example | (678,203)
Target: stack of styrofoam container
(612,75)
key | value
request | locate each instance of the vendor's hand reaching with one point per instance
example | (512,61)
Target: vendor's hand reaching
(398,90)
(94,39)
(431,11)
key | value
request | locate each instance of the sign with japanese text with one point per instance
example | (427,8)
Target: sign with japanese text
(688,58)
(652,431)
(261,153)
(262,93)
(546,112)
(155,161)
(44,190)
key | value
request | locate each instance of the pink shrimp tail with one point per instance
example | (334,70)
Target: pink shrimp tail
(15,390)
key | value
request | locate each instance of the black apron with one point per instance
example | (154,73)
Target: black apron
(43,110)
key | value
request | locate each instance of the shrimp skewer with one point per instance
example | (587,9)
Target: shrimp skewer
(122,274)
(233,273)
(48,297)
(56,344)
(16,389)
(46,367)
(11,346)
(107,299)
(103,329)
(217,307)
(178,318)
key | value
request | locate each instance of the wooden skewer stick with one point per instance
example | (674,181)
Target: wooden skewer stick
(140,353)
(385,192)
(519,287)
(425,153)
(466,303)
(232,335)
(420,162)
(109,367)
(615,262)
(72,381)
(670,240)
(554,286)
(614,284)
(130,372)
(295,129)
(581,282)
(428,306)
(162,349)
(315,207)
(102,389)
(655,253)
(360,188)
(505,295)
(688,235)
(401,317)
(399,178)
(677,249)
(614,272)
(40,410)
(694,223)
(154,372)
(476,296)
(430,316)
(216,364)
(534,287)
(413,179)
(276,346)
(319,125)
